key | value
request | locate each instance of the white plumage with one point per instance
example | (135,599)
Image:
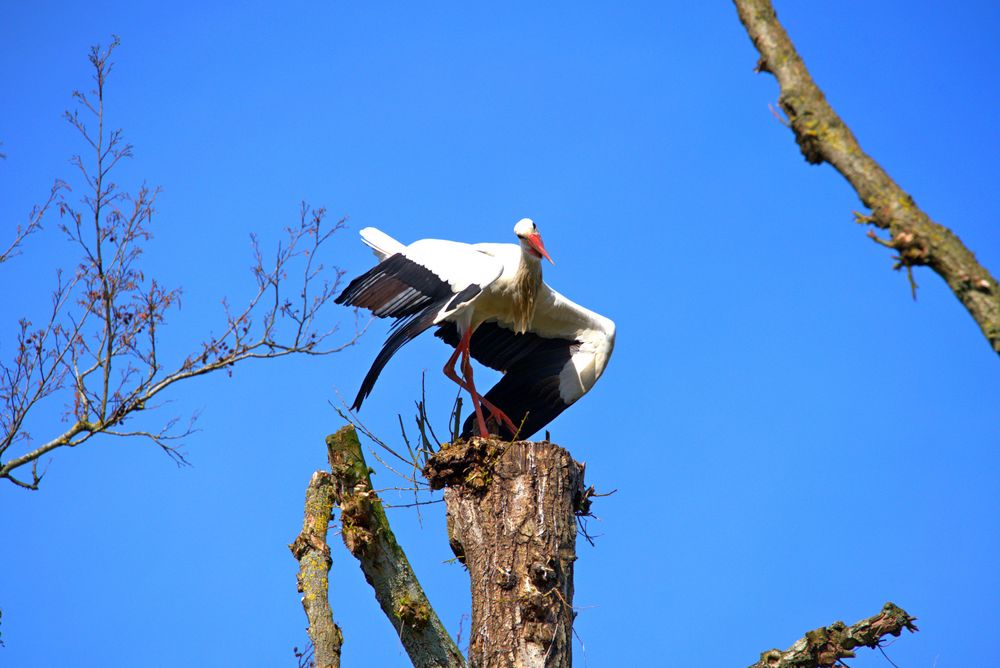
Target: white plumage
(381,243)
(487,300)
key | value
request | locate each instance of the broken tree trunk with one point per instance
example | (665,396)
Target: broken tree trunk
(368,536)
(310,549)
(511,511)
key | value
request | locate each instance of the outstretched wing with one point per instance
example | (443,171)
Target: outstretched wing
(547,368)
(419,286)
(381,243)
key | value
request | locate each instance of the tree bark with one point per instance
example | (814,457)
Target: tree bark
(824,137)
(511,510)
(827,645)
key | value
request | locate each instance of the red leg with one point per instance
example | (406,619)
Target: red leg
(469,386)
(499,415)
(449,370)
(495,412)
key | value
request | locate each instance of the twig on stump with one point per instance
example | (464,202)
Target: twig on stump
(313,554)
(512,521)
(824,137)
(827,645)
(367,535)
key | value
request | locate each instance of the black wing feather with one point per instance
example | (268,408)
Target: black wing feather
(528,394)
(529,389)
(397,287)
(403,330)
(500,348)
(405,290)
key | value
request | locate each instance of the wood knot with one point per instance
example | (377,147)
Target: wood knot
(771,657)
(355,521)
(535,608)
(413,613)
(975,283)
(542,575)
(506,579)
(305,542)
(910,249)
(808,129)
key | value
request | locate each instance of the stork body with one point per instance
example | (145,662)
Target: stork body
(489,302)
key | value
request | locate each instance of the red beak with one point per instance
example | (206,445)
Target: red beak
(535,241)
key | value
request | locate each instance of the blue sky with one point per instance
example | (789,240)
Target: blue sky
(794,440)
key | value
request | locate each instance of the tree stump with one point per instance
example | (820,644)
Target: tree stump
(511,510)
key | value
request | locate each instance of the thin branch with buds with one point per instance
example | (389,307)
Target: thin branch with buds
(34,223)
(98,347)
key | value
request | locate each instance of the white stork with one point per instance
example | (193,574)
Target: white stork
(487,300)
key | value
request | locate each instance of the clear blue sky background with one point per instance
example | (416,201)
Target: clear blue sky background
(794,440)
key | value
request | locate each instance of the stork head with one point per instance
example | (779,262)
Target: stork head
(531,240)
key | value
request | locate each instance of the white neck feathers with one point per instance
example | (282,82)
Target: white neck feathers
(526,283)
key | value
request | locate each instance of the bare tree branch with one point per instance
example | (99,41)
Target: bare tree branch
(827,645)
(824,137)
(98,347)
(368,536)
(313,554)
(34,223)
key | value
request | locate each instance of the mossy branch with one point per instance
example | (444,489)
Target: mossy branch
(827,645)
(823,136)
(313,554)
(367,535)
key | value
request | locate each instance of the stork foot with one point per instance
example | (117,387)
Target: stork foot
(500,417)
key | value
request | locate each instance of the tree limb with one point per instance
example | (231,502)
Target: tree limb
(367,535)
(310,549)
(827,645)
(824,137)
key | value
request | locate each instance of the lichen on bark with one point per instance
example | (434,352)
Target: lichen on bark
(310,549)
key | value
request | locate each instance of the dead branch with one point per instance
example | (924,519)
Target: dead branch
(98,345)
(823,136)
(368,536)
(312,552)
(827,645)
